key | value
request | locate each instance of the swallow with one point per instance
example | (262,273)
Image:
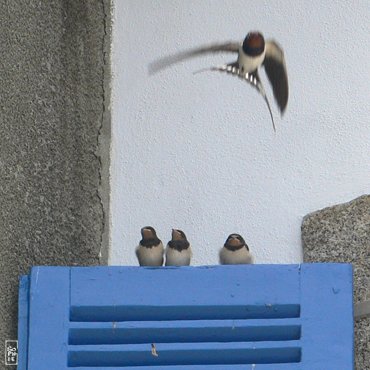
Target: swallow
(150,250)
(235,251)
(178,250)
(253,53)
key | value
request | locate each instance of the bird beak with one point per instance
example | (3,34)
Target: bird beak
(176,235)
(146,233)
(234,242)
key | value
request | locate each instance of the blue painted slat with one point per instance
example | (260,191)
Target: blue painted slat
(295,366)
(136,332)
(178,311)
(327,316)
(186,286)
(48,318)
(23,298)
(185,354)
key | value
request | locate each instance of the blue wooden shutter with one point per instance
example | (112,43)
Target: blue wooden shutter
(263,317)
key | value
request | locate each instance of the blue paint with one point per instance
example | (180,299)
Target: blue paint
(23,298)
(327,316)
(121,312)
(186,354)
(293,366)
(184,331)
(216,317)
(48,318)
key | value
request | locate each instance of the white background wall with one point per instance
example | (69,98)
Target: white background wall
(198,152)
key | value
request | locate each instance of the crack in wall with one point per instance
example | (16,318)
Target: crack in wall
(103,140)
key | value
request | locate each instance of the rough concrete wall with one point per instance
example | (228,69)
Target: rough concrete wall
(55,130)
(342,234)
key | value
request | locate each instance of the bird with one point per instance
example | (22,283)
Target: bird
(178,250)
(150,250)
(253,53)
(235,251)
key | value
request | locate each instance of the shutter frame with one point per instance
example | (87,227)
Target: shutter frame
(286,313)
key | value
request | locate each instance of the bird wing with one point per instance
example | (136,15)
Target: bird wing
(252,78)
(159,64)
(275,67)
(256,82)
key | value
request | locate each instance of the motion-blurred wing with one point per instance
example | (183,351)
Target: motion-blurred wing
(275,67)
(159,64)
(253,78)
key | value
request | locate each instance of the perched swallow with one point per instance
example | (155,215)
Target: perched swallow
(178,250)
(235,251)
(150,250)
(253,53)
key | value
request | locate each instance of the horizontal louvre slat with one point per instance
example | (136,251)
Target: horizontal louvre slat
(185,354)
(166,286)
(196,312)
(285,366)
(184,331)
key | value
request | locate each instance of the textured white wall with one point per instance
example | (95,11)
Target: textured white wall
(198,152)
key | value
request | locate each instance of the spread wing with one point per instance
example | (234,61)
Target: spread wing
(275,67)
(159,64)
(253,78)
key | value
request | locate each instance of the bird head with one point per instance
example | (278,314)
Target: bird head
(253,44)
(235,240)
(148,232)
(178,235)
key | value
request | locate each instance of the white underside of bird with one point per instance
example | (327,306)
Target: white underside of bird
(237,257)
(177,258)
(250,64)
(150,256)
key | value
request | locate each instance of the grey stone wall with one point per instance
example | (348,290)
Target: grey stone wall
(342,234)
(55,134)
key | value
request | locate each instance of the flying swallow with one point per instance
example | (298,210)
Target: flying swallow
(178,250)
(253,53)
(150,250)
(235,251)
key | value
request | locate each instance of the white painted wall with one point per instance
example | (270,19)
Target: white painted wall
(198,152)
